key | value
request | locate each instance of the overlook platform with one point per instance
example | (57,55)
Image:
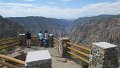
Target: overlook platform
(64,54)
(57,61)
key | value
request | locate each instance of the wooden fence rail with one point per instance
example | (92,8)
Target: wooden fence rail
(8,65)
(79,57)
(6,39)
(83,55)
(12,59)
(77,51)
(7,46)
(82,47)
(9,43)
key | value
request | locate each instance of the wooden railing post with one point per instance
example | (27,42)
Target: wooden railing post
(22,39)
(63,47)
(51,40)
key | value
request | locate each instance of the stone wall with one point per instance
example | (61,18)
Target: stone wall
(103,55)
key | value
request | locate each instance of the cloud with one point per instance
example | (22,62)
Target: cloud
(51,3)
(66,0)
(15,5)
(16,9)
(29,0)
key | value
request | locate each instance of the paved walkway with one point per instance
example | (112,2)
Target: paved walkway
(57,62)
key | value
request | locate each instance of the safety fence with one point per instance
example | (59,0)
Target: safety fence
(66,49)
(73,50)
(9,42)
(78,51)
(6,45)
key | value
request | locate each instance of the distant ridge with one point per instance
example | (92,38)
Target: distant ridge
(35,24)
(9,28)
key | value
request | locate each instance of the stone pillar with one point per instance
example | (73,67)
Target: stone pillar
(103,55)
(63,47)
(51,40)
(22,39)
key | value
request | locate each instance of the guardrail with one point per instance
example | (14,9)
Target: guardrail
(66,50)
(12,59)
(8,43)
(8,65)
(70,49)
(78,51)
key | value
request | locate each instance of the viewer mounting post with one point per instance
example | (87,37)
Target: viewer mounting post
(22,39)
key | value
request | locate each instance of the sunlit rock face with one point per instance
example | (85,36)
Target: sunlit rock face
(104,28)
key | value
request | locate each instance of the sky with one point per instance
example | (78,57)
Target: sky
(65,9)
